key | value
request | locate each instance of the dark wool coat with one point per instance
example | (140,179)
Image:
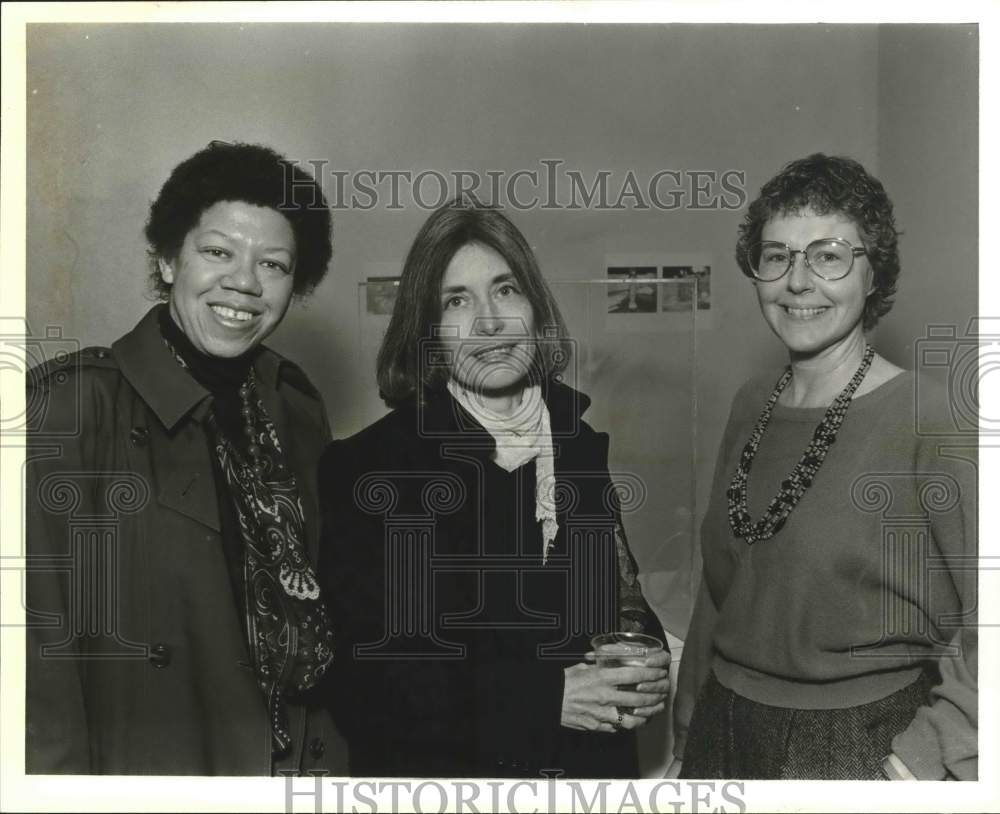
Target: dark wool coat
(452,634)
(136,659)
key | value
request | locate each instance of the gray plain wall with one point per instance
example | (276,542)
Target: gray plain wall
(928,159)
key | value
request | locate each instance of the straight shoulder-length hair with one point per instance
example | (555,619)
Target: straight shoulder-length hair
(409,364)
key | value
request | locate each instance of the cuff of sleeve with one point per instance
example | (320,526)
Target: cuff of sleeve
(895,769)
(915,749)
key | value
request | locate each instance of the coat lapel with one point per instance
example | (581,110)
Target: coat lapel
(180,455)
(187,484)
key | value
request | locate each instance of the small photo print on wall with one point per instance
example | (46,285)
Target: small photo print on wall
(380,294)
(704,277)
(698,287)
(633,290)
(679,290)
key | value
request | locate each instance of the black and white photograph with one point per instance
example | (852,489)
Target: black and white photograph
(380,295)
(703,277)
(498,407)
(681,292)
(633,290)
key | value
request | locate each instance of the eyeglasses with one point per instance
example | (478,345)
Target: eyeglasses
(829,258)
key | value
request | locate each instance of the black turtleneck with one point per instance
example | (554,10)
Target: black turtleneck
(222,377)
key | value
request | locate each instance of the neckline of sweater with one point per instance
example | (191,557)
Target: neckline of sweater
(861,403)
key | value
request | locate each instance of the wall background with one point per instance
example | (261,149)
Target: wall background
(112,108)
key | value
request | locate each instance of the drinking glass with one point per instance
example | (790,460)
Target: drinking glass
(624,650)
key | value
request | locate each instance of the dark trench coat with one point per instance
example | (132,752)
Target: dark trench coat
(136,660)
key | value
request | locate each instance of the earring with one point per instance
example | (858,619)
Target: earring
(166,271)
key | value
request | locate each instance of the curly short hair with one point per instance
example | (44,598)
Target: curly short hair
(401,376)
(832,185)
(255,175)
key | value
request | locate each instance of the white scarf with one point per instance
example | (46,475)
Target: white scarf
(524,435)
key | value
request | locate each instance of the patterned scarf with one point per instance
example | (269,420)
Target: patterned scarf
(288,630)
(289,636)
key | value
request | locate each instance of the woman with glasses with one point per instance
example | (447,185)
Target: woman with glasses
(834,632)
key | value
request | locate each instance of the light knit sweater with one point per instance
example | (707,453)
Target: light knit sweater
(871,577)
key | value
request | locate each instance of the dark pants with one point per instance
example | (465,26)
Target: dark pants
(733,737)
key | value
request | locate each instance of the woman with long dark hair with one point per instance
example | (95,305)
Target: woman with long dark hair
(472,538)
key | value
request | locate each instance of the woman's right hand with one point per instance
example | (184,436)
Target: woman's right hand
(591,697)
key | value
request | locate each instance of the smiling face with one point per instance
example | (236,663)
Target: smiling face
(486,322)
(231,281)
(810,315)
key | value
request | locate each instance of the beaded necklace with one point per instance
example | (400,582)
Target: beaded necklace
(801,478)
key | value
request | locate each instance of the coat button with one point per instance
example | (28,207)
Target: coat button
(159,655)
(317,748)
(139,436)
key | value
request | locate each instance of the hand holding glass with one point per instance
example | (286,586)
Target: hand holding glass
(624,650)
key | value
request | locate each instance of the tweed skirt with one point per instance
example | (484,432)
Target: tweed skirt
(733,737)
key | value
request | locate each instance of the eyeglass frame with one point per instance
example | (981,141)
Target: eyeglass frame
(856,251)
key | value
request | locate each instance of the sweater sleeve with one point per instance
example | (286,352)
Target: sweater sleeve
(942,740)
